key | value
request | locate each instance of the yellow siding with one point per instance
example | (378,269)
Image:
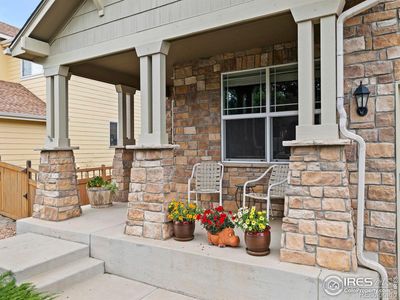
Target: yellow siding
(18,139)
(92,106)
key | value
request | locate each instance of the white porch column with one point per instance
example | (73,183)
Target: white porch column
(153,93)
(306,78)
(57,107)
(324,13)
(126,110)
(328,75)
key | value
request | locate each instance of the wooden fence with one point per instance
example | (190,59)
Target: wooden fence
(18,187)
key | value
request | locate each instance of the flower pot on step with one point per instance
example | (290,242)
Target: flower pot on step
(257,243)
(184,231)
(99,197)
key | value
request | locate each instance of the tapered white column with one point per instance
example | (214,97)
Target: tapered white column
(328,70)
(306,73)
(159,97)
(57,108)
(153,93)
(126,111)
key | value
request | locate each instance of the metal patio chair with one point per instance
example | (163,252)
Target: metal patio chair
(276,186)
(208,179)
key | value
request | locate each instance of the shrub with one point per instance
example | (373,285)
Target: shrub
(25,291)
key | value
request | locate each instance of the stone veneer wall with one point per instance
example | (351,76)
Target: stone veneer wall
(121,173)
(151,190)
(318,228)
(197,115)
(56,194)
(372,55)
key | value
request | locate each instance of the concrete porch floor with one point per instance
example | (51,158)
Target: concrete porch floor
(193,268)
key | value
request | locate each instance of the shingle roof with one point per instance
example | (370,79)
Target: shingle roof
(9,30)
(16,100)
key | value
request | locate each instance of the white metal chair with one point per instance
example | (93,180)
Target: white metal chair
(208,177)
(276,185)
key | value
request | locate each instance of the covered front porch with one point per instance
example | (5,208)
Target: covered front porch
(193,268)
(228,88)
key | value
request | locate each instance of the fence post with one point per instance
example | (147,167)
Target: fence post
(103,171)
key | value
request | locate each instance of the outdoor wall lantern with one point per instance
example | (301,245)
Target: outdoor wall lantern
(362,94)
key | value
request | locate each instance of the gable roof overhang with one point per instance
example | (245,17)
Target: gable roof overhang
(39,39)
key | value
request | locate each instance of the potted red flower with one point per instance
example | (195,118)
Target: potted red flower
(219,227)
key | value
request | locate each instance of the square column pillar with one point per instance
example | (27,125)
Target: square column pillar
(57,196)
(151,190)
(306,77)
(57,107)
(318,226)
(328,76)
(126,111)
(123,158)
(153,93)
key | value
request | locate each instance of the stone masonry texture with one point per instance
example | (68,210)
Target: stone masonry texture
(197,117)
(372,55)
(121,173)
(151,190)
(318,227)
(56,194)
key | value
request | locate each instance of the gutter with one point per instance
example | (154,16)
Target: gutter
(363,260)
(22,117)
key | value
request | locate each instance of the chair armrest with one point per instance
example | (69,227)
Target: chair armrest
(254,180)
(275,184)
(192,176)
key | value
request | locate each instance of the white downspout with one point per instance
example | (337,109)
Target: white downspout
(361,144)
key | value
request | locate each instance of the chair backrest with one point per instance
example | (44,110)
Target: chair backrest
(208,176)
(278,174)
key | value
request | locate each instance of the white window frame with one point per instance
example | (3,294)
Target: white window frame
(29,76)
(267,115)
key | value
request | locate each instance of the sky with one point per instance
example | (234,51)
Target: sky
(16,12)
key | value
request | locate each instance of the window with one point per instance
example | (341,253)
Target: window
(260,111)
(30,69)
(113,133)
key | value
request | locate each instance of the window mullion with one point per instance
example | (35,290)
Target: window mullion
(268,141)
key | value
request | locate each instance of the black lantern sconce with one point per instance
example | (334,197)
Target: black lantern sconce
(362,94)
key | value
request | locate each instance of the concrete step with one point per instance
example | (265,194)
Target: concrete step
(57,280)
(29,254)
(113,287)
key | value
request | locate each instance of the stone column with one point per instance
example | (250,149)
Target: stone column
(121,173)
(151,190)
(318,227)
(56,194)
(123,157)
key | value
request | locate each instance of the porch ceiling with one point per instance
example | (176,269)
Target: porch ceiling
(123,68)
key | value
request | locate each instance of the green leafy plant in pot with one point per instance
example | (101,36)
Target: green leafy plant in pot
(100,192)
(256,229)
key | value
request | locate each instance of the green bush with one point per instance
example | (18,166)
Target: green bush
(9,290)
(100,182)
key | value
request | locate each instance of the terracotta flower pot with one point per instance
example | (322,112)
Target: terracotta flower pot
(184,231)
(224,238)
(99,197)
(258,242)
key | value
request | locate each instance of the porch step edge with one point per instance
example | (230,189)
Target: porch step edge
(56,280)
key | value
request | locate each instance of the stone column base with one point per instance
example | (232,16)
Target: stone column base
(56,194)
(121,173)
(151,190)
(318,227)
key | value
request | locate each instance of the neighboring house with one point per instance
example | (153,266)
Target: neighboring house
(250,83)
(93,126)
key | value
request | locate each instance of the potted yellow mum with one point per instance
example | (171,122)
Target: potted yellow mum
(183,216)
(256,230)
